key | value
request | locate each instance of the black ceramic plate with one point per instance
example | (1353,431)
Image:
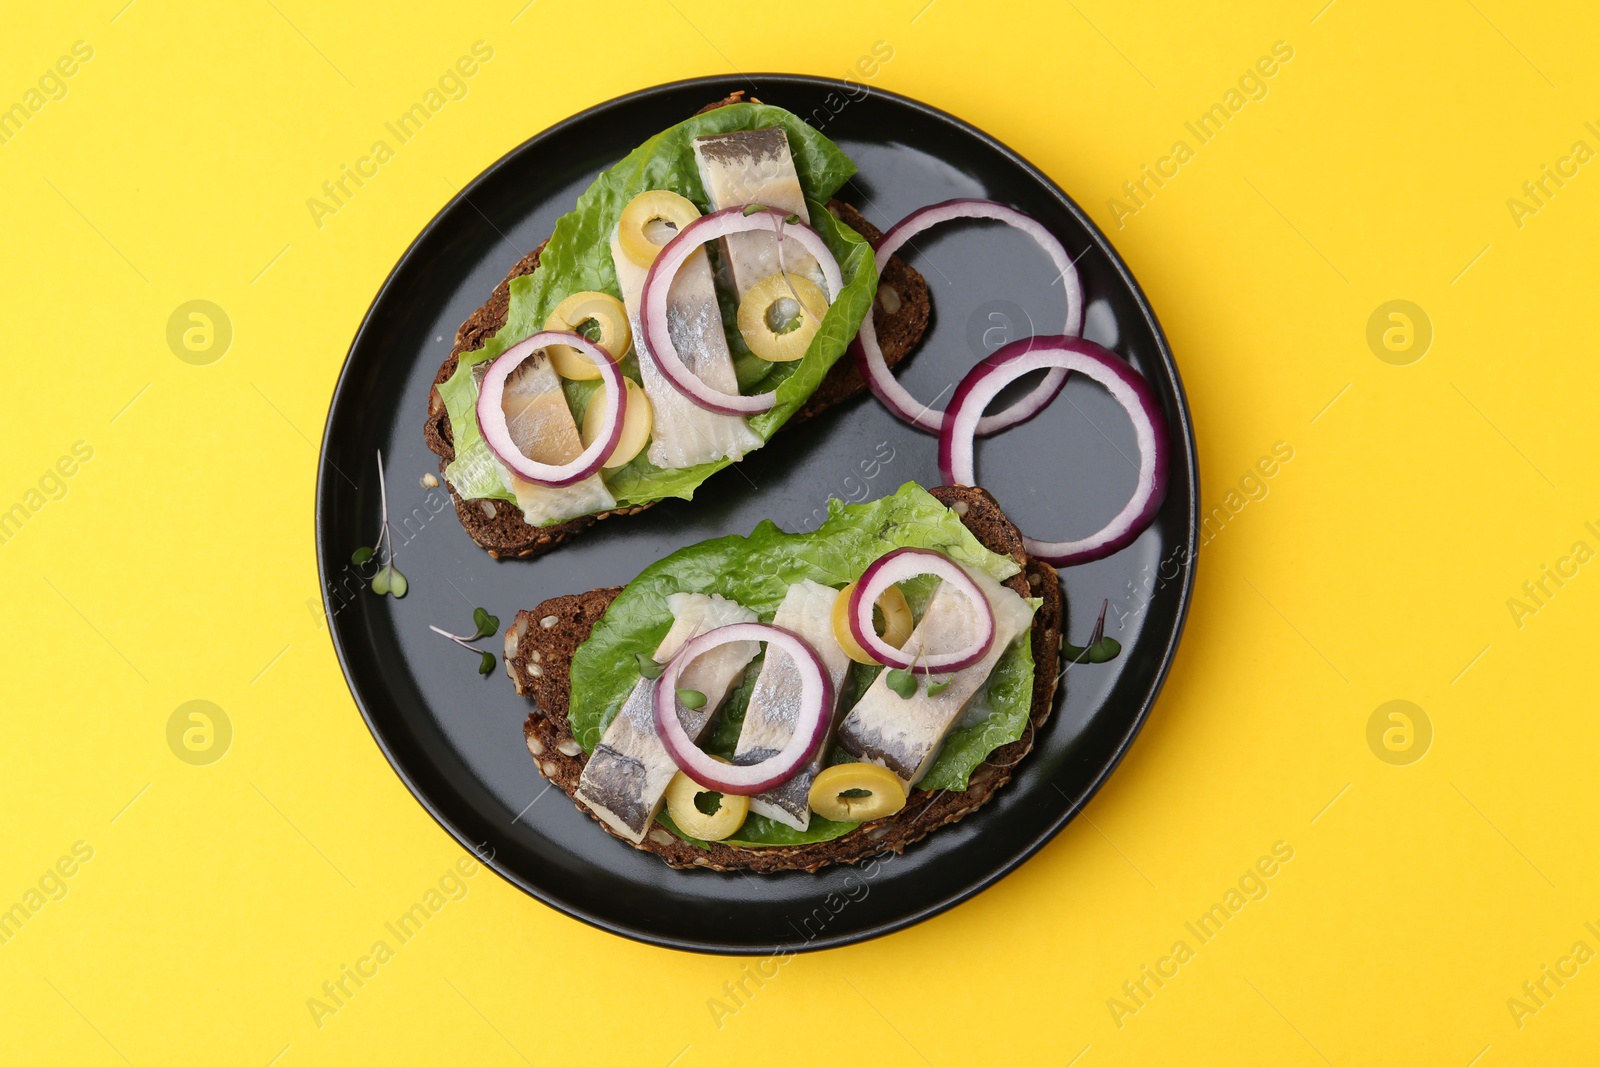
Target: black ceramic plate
(456,738)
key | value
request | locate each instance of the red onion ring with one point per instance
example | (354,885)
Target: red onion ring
(492,416)
(895,567)
(869,356)
(1127,388)
(810,728)
(657,339)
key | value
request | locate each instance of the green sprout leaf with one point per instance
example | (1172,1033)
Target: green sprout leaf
(486,664)
(902,683)
(692,699)
(1103,650)
(388,580)
(792,219)
(751,209)
(648,667)
(488,625)
(935,688)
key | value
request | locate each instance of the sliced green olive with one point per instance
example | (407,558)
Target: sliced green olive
(779,316)
(638,421)
(650,220)
(856,792)
(897,622)
(601,318)
(704,813)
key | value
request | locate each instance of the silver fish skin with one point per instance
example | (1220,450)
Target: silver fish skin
(626,777)
(904,734)
(542,427)
(807,610)
(686,434)
(755,167)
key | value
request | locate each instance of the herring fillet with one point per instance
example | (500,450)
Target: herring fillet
(754,167)
(686,434)
(769,719)
(626,777)
(542,428)
(904,734)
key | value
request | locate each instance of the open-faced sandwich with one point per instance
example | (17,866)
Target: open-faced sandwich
(697,299)
(789,700)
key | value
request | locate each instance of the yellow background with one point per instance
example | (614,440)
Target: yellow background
(179,564)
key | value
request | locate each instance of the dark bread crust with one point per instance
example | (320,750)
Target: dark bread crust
(539,658)
(497,525)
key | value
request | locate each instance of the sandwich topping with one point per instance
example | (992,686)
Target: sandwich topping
(775,702)
(530,415)
(685,435)
(895,736)
(754,167)
(811,703)
(627,775)
(660,312)
(810,741)
(599,317)
(904,733)
(525,419)
(857,792)
(630,271)
(915,654)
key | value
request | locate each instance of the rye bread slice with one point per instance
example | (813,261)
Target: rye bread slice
(497,526)
(539,646)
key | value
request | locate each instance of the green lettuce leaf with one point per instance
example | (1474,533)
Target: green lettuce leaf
(578,258)
(757,571)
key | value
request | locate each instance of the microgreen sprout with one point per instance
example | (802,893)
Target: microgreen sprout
(692,699)
(484,625)
(902,683)
(388,579)
(1100,649)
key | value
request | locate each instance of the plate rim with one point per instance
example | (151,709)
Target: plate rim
(1185,427)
